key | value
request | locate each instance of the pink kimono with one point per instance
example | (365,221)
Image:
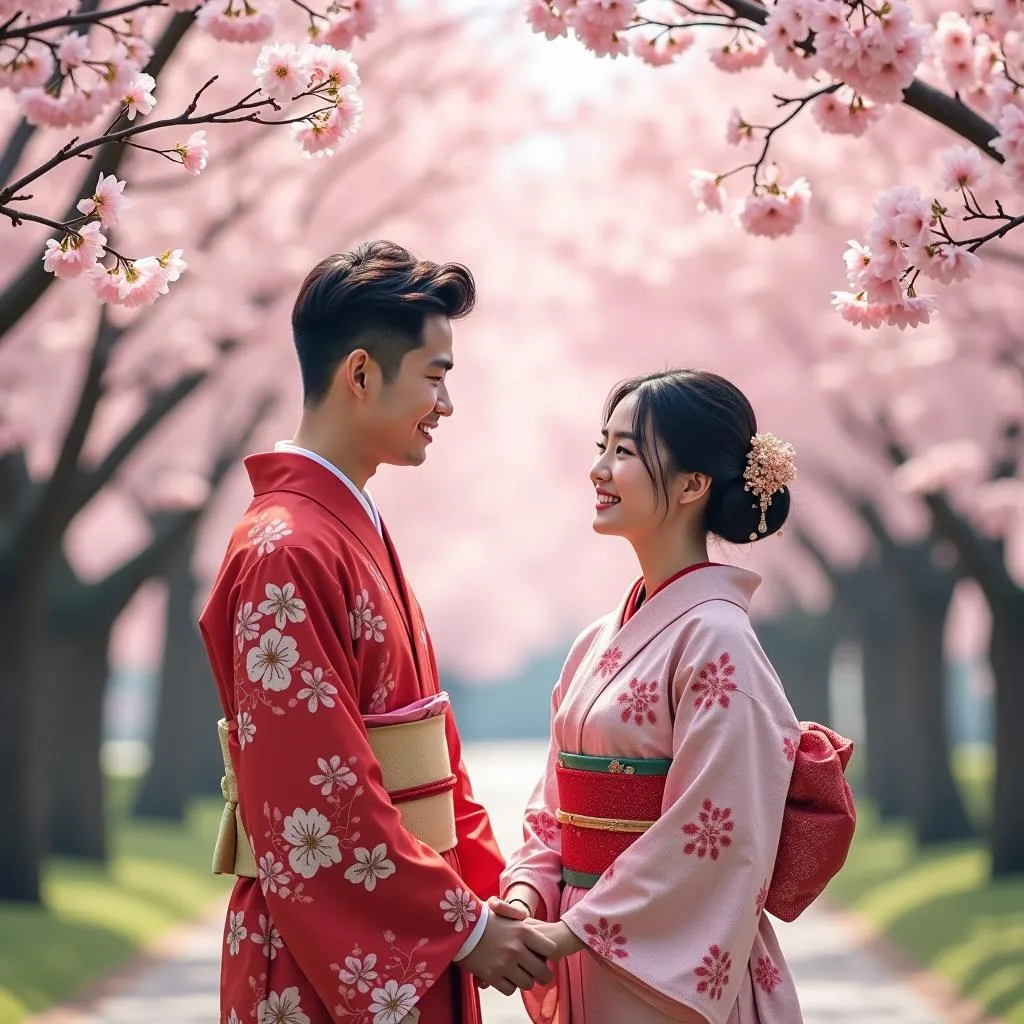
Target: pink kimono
(675,925)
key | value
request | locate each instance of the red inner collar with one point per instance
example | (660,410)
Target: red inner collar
(636,598)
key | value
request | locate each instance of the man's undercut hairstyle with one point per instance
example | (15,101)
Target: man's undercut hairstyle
(377,298)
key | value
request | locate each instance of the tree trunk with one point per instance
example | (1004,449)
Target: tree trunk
(800,647)
(936,804)
(884,672)
(76,656)
(1006,652)
(186,722)
(21,758)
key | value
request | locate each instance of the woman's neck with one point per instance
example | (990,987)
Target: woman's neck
(661,561)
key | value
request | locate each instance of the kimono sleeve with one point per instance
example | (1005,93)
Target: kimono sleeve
(676,916)
(351,892)
(480,861)
(538,861)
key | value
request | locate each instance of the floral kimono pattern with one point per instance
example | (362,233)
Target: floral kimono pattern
(675,927)
(310,626)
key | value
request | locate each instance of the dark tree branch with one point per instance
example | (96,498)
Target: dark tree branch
(91,482)
(925,99)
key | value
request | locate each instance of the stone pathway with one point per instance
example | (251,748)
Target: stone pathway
(840,982)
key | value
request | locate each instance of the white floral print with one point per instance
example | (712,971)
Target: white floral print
(268,937)
(370,866)
(313,847)
(246,728)
(282,603)
(266,534)
(364,622)
(272,873)
(271,662)
(333,773)
(360,973)
(317,690)
(459,908)
(391,1003)
(236,931)
(247,624)
(282,1008)
(232,1018)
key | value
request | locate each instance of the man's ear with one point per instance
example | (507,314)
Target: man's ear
(355,373)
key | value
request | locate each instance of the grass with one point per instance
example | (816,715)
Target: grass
(94,919)
(938,904)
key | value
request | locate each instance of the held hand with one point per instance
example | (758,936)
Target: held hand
(565,940)
(513,911)
(511,954)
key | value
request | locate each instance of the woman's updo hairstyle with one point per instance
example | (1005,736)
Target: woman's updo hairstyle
(703,424)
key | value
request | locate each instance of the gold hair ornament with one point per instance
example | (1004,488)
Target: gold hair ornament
(770,468)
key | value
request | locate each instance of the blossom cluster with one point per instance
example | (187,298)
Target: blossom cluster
(862,59)
(68,72)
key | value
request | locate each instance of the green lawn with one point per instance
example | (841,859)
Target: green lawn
(939,905)
(95,919)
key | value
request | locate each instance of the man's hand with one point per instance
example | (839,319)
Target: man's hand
(510,954)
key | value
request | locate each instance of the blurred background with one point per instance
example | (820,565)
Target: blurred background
(892,607)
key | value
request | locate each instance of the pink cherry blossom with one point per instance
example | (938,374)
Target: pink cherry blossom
(1010,142)
(775,211)
(663,48)
(737,131)
(318,134)
(73,50)
(910,311)
(248,23)
(108,284)
(193,152)
(348,112)
(544,19)
(139,97)
(844,117)
(949,263)
(963,167)
(748,51)
(172,264)
(707,190)
(281,71)
(855,309)
(75,253)
(144,283)
(107,202)
(330,70)
(32,67)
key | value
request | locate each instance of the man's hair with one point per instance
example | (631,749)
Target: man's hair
(376,298)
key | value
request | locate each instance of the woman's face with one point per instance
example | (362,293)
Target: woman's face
(627,499)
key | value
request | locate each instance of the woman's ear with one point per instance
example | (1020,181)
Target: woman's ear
(692,487)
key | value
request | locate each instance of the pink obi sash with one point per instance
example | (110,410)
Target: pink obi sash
(605,804)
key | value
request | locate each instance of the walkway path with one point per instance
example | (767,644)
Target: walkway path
(839,981)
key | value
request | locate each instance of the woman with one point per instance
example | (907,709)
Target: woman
(651,838)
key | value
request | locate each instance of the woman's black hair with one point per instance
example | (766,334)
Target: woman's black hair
(703,424)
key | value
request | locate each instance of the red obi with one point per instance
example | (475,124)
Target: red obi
(605,804)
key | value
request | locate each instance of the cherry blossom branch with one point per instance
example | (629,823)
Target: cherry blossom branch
(71,20)
(933,103)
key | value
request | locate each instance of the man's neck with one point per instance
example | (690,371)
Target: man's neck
(313,436)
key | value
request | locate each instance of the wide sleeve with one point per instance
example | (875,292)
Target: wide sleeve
(480,859)
(361,905)
(538,861)
(676,916)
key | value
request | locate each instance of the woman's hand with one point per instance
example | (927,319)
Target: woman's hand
(566,942)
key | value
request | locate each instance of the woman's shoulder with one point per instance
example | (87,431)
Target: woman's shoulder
(717,644)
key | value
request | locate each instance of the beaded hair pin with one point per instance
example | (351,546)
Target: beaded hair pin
(771,468)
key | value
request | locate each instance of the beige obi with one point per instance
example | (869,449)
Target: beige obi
(416,772)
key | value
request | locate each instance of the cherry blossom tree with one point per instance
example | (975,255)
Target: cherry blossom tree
(136,381)
(71,64)
(957,64)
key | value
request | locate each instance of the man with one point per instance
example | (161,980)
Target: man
(341,913)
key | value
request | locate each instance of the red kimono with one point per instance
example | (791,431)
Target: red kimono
(311,625)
